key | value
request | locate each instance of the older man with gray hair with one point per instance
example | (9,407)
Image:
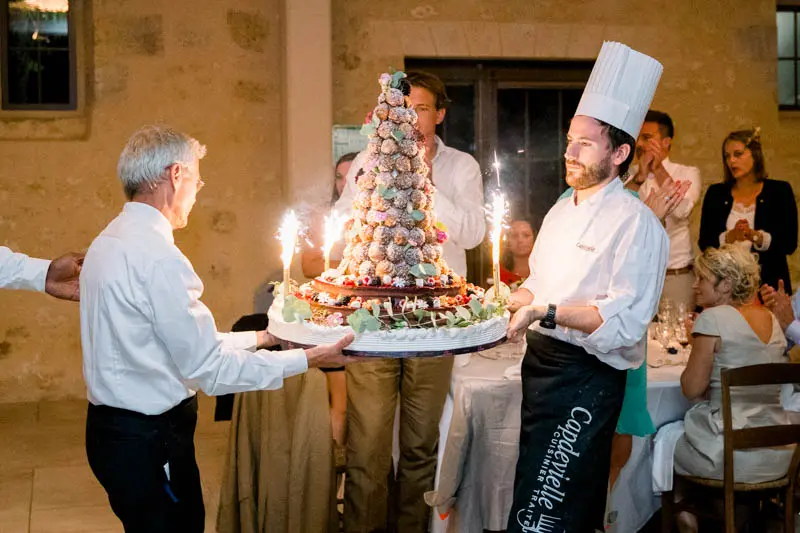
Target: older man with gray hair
(149,343)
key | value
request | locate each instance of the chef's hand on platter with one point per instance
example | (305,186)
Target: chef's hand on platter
(522,319)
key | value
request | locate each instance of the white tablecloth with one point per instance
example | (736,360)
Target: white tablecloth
(475,474)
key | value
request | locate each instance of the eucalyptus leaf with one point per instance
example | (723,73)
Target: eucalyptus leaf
(428,269)
(417,215)
(372,323)
(463,312)
(417,271)
(398,135)
(476,307)
(396,77)
(375,120)
(407,246)
(433,319)
(390,193)
(368,129)
(419,313)
(376,310)
(355,322)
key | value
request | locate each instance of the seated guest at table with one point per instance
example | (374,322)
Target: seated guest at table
(731,332)
(514,267)
(149,343)
(58,278)
(751,210)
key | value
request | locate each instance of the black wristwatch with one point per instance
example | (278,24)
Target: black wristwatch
(549,320)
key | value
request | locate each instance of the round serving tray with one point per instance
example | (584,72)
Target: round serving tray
(402,355)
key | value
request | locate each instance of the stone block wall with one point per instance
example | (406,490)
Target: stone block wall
(211,69)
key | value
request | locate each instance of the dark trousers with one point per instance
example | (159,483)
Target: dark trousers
(128,451)
(570,406)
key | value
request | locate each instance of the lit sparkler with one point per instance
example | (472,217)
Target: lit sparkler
(334,223)
(287,234)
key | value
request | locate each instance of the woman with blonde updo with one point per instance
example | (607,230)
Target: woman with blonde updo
(733,331)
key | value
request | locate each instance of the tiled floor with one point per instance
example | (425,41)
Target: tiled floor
(46,484)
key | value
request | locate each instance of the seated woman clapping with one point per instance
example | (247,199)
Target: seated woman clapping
(733,331)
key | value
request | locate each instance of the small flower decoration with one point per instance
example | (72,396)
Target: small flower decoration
(334,320)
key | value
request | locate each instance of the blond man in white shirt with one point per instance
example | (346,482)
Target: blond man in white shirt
(654,172)
(421,384)
(149,343)
(58,278)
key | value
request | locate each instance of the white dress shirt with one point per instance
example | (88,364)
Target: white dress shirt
(458,202)
(609,251)
(18,271)
(680,240)
(148,341)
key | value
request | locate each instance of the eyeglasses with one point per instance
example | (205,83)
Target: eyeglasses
(199,181)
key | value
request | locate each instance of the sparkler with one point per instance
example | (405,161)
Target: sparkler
(287,234)
(498,214)
(334,223)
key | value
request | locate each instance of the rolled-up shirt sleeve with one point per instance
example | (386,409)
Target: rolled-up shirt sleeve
(215,363)
(239,340)
(18,271)
(637,279)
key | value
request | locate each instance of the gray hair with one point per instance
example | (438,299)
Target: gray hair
(149,152)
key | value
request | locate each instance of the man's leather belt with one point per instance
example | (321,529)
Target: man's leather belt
(679,271)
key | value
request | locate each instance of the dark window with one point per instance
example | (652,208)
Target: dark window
(787,22)
(39,55)
(520,110)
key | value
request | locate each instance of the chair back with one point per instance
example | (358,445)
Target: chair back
(758,437)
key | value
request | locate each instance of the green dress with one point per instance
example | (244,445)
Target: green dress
(634,419)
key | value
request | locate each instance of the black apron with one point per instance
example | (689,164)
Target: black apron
(570,406)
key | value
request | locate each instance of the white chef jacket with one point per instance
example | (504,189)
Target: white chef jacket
(458,202)
(680,240)
(610,251)
(148,341)
(18,271)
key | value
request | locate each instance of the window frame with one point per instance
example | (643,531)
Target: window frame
(78,14)
(794,8)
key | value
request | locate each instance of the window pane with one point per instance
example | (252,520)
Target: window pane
(786,74)
(544,134)
(786,33)
(458,128)
(23,76)
(54,71)
(38,53)
(511,122)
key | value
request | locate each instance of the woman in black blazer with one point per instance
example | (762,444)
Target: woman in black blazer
(750,209)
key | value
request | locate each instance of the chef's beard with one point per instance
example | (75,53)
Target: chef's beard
(589,176)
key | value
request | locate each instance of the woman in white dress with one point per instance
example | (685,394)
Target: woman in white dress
(733,331)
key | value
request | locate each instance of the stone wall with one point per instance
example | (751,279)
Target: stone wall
(718,56)
(212,69)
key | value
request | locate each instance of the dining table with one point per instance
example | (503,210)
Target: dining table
(479,438)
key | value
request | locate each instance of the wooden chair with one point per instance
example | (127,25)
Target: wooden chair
(742,439)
